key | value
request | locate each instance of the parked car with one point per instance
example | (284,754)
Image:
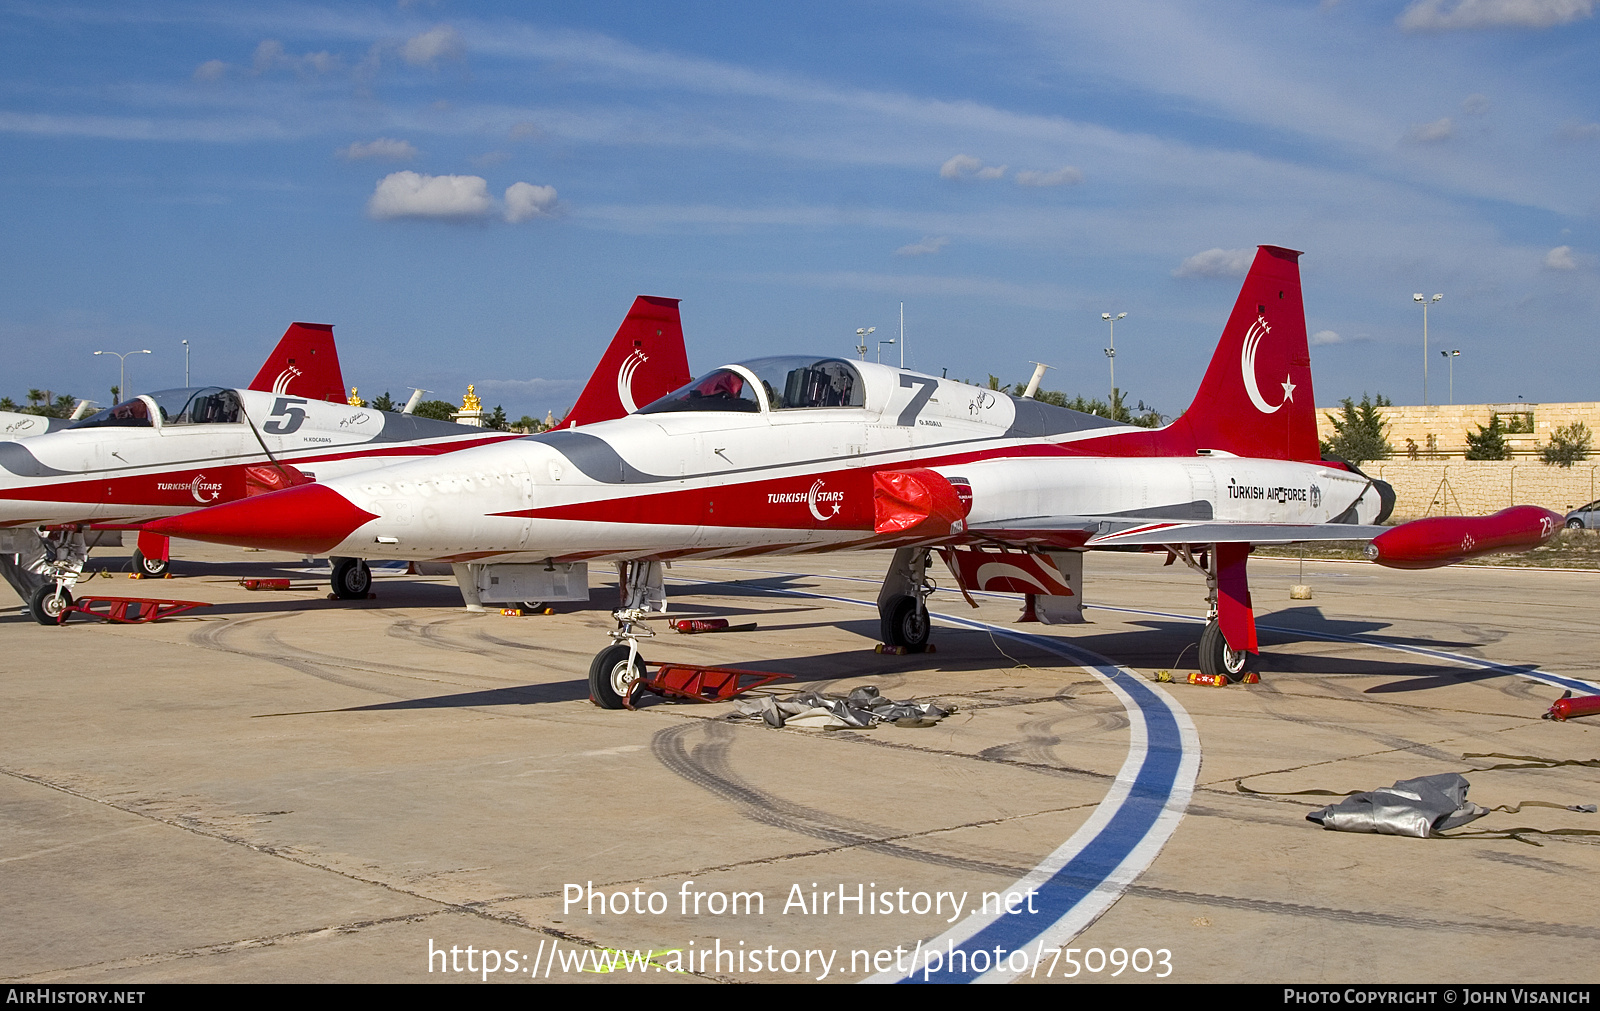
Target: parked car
(1585,517)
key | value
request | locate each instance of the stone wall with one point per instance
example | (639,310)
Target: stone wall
(1440,432)
(1476,487)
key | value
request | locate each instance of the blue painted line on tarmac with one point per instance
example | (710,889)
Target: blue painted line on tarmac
(1166,760)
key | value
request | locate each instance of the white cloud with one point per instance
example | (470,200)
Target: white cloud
(1432,133)
(427,49)
(1217,263)
(1475,105)
(211,70)
(489,159)
(1065,176)
(382,149)
(1450,15)
(1325,337)
(270,55)
(930,244)
(1560,258)
(525,200)
(964,166)
(409,195)
(1579,131)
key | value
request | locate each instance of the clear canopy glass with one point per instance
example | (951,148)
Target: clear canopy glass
(193,405)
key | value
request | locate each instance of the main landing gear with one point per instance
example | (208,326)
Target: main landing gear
(1217,658)
(903,601)
(352,578)
(149,568)
(616,669)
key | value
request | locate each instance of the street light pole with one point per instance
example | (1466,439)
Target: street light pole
(122,369)
(185,363)
(1418,297)
(1451,356)
(1111,352)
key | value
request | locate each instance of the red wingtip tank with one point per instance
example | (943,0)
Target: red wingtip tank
(1444,540)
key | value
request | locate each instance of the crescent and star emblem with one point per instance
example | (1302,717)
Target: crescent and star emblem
(1247,365)
(811,501)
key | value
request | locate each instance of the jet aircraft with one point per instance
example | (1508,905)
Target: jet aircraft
(182,450)
(812,454)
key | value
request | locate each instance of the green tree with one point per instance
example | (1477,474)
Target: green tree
(1568,444)
(497,420)
(440,409)
(1360,433)
(7,404)
(1488,442)
(384,402)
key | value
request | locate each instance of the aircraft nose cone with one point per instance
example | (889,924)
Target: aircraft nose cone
(309,519)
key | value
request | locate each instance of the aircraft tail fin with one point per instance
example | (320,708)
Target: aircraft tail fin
(304,364)
(1256,398)
(646,361)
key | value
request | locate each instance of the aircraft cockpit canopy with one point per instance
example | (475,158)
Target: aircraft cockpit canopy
(193,405)
(797,381)
(789,382)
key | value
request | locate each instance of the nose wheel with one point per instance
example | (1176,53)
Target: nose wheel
(612,675)
(48,603)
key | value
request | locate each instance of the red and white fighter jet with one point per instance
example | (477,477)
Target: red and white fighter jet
(804,454)
(178,451)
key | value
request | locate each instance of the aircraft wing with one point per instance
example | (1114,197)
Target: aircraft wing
(1119,531)
(1112,533)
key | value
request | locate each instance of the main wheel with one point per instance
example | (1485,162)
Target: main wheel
(532,606)
(611,676)
(352,579)
(905,623)
(1217,658)
(46,604)
(1574,524)
(149,568)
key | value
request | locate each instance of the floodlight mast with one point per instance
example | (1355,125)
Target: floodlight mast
(1451,356)
(1418,297)
(1111,352)
(861,340)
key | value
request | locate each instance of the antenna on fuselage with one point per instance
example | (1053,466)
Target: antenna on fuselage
(1033,384)
(416,398)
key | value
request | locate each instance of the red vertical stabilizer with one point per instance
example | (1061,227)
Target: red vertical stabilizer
(646,361)
(1255,399)
(304,364)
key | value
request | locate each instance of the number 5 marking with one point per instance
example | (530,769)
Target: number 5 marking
(288,408)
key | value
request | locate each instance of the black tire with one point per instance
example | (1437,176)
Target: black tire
(532,606)
(46,606)
(1217,658)
(610,677)
(1574,524)
(905,623)
(352,579)
(149,568)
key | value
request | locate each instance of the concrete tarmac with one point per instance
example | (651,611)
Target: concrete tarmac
(287,788)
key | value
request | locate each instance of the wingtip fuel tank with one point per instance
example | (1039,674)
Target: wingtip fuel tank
(1444,540)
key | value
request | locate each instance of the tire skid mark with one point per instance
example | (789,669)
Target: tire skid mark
(706,765)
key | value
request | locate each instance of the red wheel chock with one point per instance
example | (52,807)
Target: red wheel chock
(696,683)
(129,610)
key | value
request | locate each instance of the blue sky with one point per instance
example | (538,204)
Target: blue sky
(475,192)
